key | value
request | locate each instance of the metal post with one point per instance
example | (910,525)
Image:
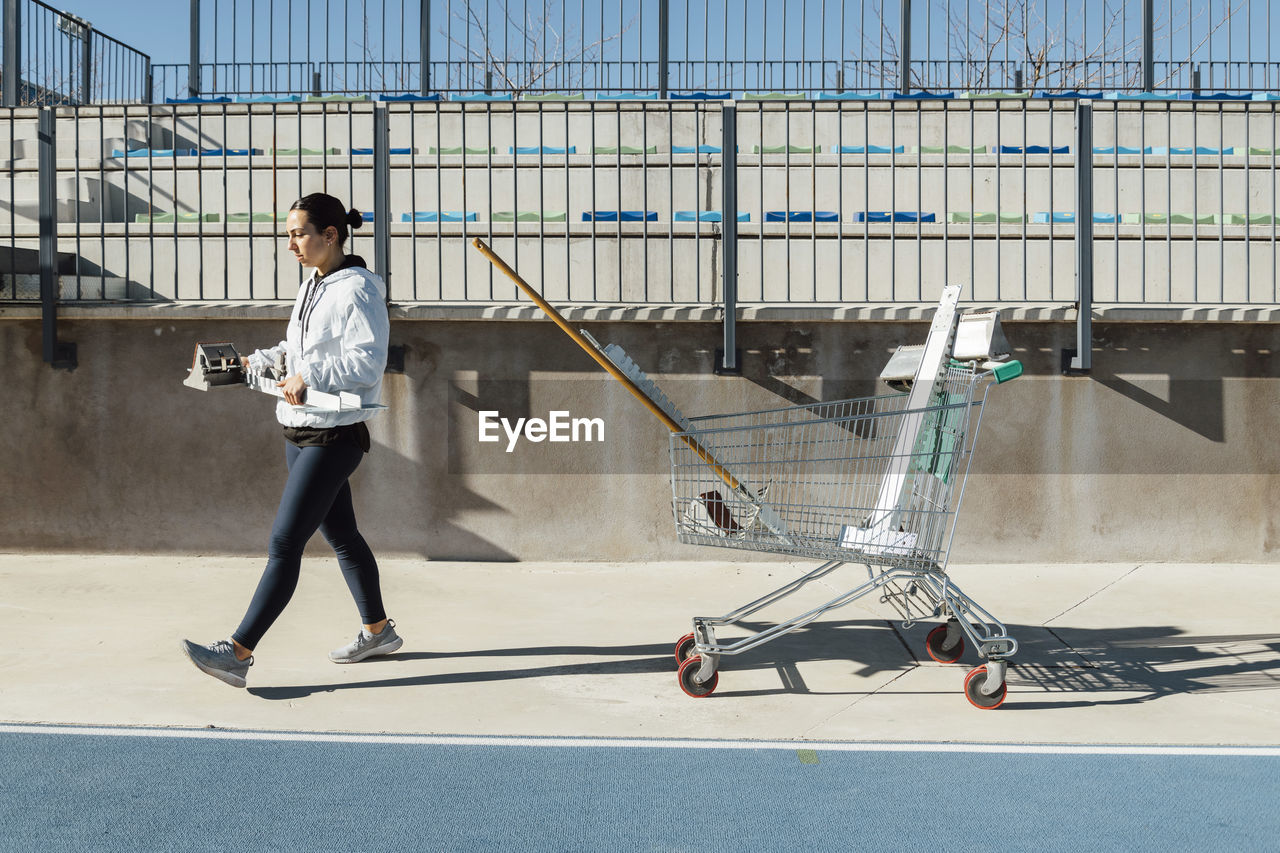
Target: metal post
(315,83)
(664,46)
(1195,80)
(55,353)
(12,52)
(86,62)
(904,51)
(1080,359)
(193,72)
(424,45)
(1148,46)
(382,195)
(727,360)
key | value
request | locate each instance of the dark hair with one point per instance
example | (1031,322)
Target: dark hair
(323,210)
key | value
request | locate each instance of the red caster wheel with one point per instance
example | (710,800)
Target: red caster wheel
(684,648)
(688,670)
(973,684)
(933,645)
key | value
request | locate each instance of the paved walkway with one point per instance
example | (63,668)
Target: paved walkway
(1111,653)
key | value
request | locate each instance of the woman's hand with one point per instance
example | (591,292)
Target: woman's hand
(294,389)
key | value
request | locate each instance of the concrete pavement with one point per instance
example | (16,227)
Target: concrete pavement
(1111,653)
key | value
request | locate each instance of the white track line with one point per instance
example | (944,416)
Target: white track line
(640,743)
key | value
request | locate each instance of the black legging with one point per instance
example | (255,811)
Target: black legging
(316,497)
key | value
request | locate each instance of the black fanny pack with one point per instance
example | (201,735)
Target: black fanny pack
(357,434)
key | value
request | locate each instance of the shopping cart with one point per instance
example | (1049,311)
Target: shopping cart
(875,481)
(867,481)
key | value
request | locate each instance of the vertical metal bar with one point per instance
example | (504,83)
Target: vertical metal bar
(12,51)
(382,196)
(86,65)
(1082,360)
(729,233)
(193,72)
(664,46)
(54,354)
(904,48)
(424,47)
(1148,46)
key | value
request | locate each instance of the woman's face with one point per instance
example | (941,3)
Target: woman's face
(308,245)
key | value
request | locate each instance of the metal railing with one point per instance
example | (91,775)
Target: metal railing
(620,203)
(54,58)
(243,47)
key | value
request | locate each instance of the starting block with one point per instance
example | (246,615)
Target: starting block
(216,365)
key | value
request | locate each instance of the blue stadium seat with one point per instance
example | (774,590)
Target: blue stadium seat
(867,149)
(701,96)
(270,99)
(221,99)
(696,149)
(848,96)
(705,216)
(1073,95)
(368,151)
(801,216)
(1122,149)
(924,96)
(894,216)
(229,152)
(1035,149)
(434,96)
(1188,150)
(157,152)
(1060,217)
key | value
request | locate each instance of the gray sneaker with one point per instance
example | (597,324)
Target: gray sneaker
(219,660)
(367,645)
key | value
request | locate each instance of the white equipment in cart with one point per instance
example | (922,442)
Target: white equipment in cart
(217,365)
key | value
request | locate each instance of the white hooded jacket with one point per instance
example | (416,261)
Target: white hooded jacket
(336,341)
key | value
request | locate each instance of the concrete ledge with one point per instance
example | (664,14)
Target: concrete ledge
(519,311)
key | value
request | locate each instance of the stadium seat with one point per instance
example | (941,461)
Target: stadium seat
(801,216)
(542,149)
(894,216)
(438,216)
(868,149)
(950,149)
(458,151)
(1034,149)
(706,216)
(619,216)
(528,216)
(625,149)
(786,149)
(984,218)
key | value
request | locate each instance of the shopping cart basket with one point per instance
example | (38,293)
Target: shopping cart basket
(833,481)
(875,481)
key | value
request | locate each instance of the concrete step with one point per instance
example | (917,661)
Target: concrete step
(26,287)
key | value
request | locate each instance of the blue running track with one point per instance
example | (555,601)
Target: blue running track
(169,790)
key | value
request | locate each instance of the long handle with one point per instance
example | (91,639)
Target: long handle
(730,480)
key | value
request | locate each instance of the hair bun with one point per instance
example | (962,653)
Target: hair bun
(354,218)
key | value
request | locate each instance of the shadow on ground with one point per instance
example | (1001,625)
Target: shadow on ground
(1137,664)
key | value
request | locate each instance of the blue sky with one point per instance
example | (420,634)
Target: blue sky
(161,27)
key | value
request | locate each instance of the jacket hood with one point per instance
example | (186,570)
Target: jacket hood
(352,272)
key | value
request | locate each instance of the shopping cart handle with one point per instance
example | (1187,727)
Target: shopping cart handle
(1005,370)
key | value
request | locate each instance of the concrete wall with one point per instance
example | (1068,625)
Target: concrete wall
(1165,453)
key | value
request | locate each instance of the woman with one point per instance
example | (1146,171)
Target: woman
(336,341)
